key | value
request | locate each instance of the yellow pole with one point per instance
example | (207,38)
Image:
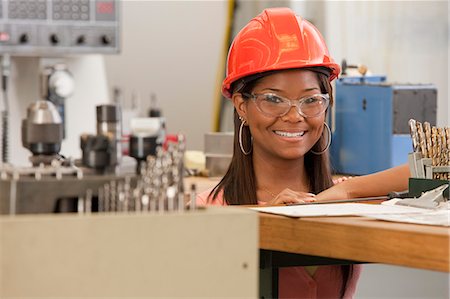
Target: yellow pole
(222,65)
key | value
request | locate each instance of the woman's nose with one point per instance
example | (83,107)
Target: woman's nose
(293,114)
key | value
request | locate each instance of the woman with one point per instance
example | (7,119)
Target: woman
(278,78)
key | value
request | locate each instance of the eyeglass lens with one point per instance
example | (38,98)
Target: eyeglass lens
(276,106)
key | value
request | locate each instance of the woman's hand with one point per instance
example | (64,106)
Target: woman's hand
(288,196)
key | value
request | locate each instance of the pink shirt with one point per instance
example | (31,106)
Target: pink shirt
(295,282)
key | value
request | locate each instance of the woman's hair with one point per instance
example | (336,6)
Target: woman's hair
(239,183)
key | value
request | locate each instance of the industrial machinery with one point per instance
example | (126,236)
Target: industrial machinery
(58,184)
(370,122)
(102,152)
(218,152)
(59,27)
(52,41)
(42,132)
(147,134)
(43,50)
(42,41)
(57,84)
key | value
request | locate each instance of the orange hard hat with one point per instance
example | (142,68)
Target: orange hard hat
(277,39)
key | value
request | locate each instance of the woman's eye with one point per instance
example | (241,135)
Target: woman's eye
(311,100)
(273,99)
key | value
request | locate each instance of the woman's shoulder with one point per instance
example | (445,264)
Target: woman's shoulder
(205,198)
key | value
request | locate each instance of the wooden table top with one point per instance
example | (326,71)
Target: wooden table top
(353,238)
(358,239)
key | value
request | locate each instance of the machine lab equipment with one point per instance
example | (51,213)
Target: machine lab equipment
(50,50)
(370,122)
(51,68)
(218,152)
(59,27)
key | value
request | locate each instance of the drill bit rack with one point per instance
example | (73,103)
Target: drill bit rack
(431,156)
(158,187)
(63,187)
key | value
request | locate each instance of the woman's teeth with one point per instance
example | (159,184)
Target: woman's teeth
(290,134)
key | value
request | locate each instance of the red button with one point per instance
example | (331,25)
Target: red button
(4,36)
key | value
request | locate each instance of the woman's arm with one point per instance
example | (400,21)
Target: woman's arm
(376,184)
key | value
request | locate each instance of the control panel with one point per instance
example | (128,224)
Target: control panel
(59,27)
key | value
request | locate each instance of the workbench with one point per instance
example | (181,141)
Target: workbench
(283,242)
(359,239)
(288,241)
(352,238)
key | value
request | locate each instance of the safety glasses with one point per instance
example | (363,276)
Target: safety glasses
(273,105)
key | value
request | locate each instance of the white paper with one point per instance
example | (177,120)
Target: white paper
(337,209)
(429,217)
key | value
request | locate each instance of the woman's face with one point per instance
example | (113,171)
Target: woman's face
(289,136)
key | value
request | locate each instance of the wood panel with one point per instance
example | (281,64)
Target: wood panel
(359,239)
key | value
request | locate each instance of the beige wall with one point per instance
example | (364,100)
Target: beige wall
(405,40)
(172,49)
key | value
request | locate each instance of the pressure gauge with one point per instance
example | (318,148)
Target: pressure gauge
(57,85)
(60,82)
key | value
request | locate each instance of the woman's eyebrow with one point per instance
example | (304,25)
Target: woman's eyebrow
(280,90)
(311,88)
(272,89)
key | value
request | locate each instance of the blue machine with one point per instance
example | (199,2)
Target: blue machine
(370,122)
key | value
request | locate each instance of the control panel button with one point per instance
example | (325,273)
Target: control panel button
(54,39)
(81,40)
(24,38)
(105,39)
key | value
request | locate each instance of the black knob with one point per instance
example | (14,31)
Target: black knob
(81,40)
(23,39)
(106,40)
(54,39)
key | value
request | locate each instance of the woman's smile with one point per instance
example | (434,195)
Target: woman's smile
(291,135)
(295,134)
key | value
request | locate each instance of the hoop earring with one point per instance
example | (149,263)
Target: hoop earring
(240,137)
(328,143)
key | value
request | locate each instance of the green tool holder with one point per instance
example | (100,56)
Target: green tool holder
(417,186)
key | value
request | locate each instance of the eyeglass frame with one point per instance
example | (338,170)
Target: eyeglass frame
(253,97)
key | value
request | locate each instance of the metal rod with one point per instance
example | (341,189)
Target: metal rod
(340,200)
